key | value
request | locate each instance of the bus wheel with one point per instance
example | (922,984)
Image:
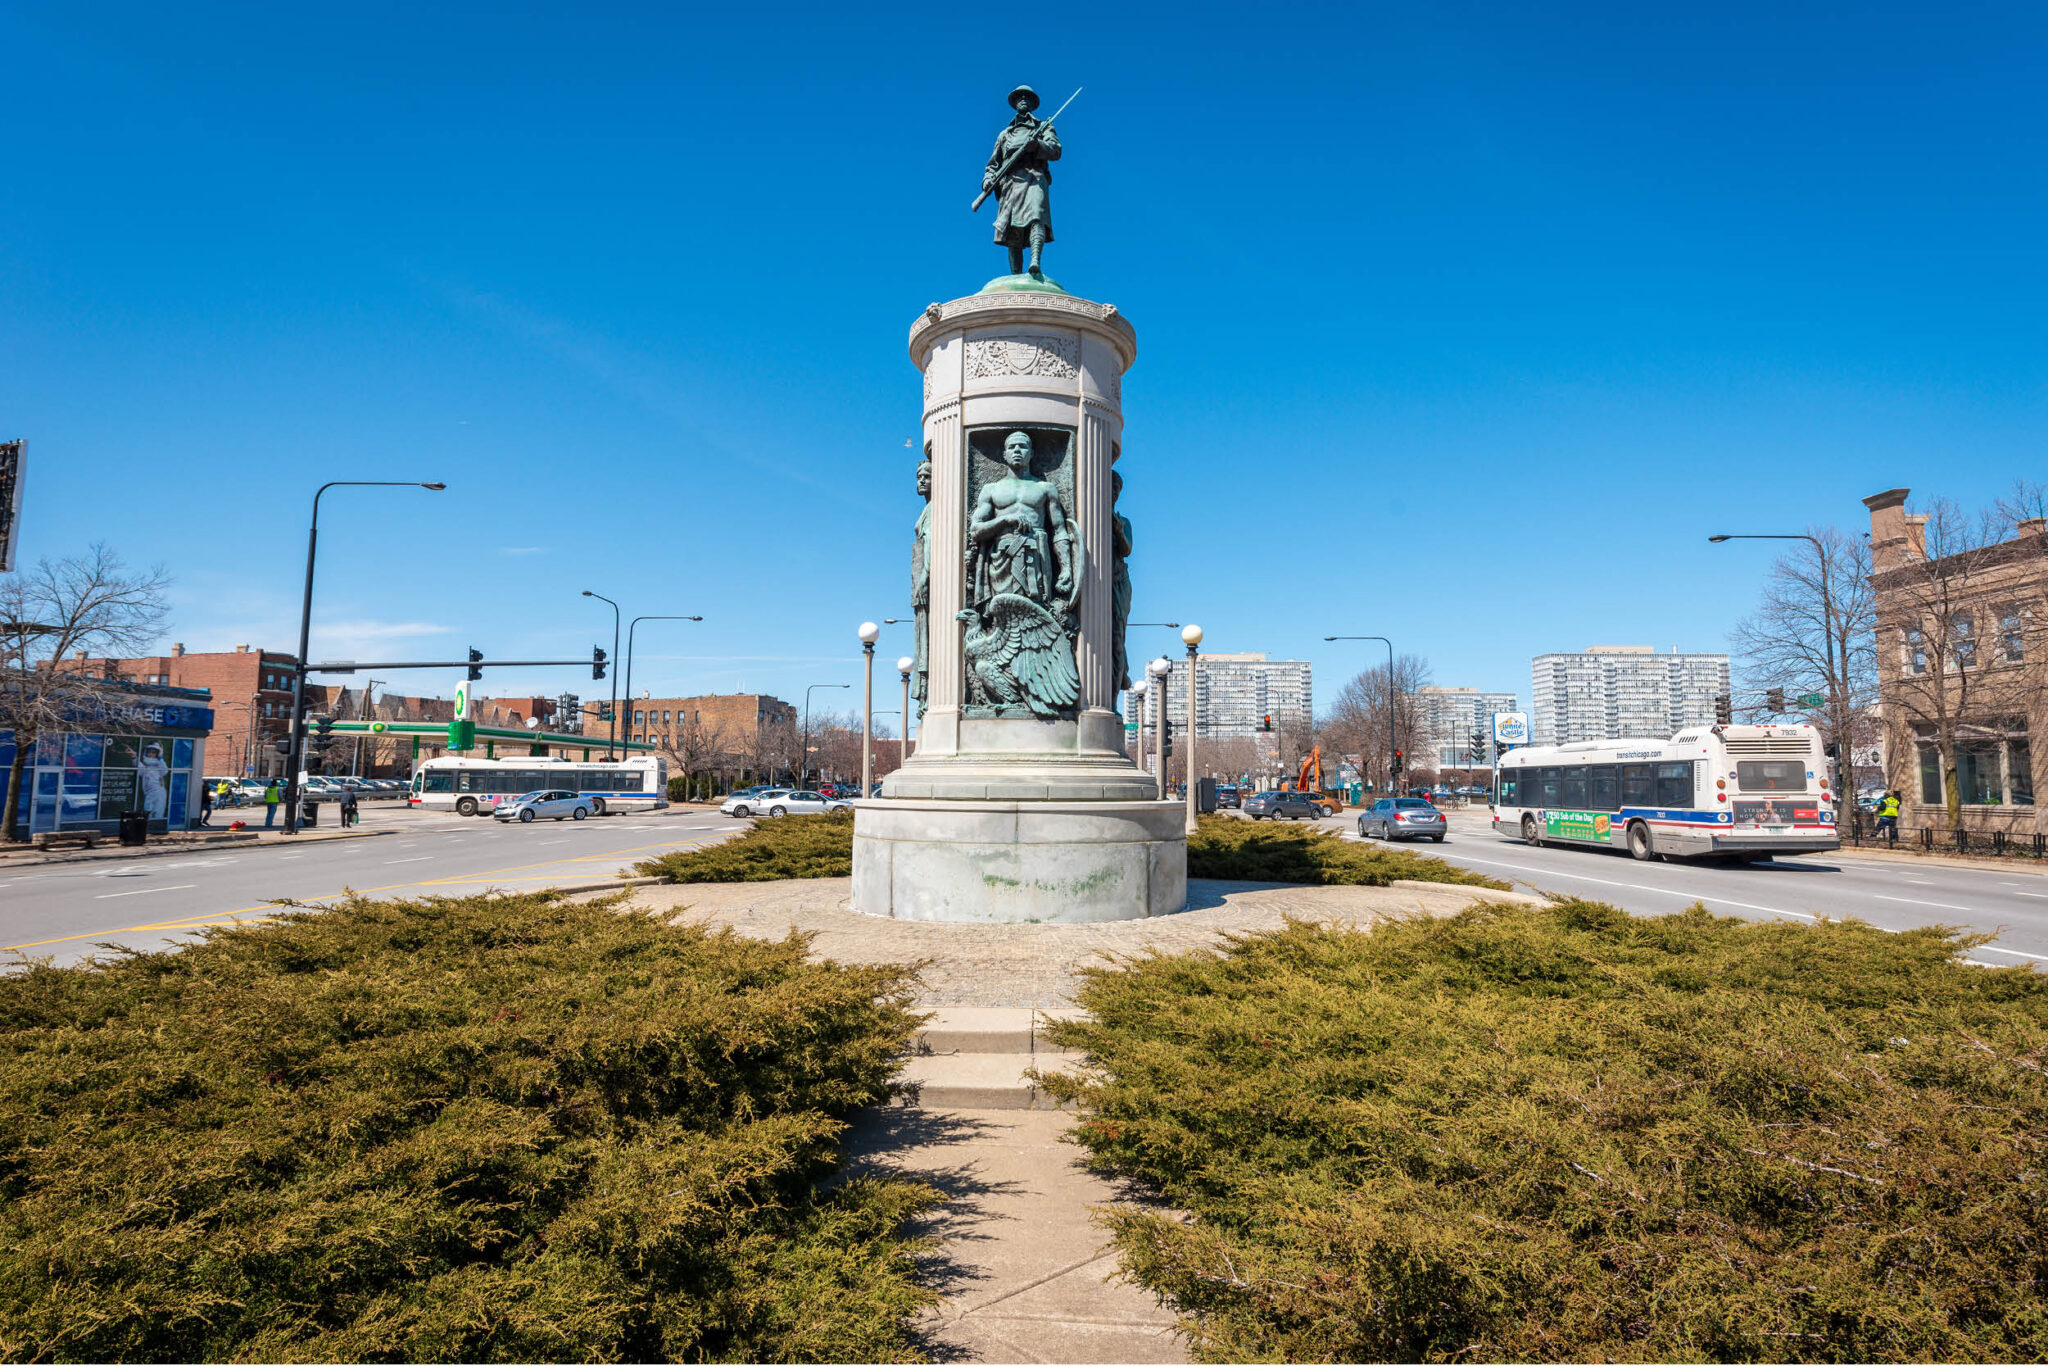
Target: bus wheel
(1529,835)
(466,807)
(1639,843)
(597,806)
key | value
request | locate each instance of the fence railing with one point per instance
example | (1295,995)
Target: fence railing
(1863,832)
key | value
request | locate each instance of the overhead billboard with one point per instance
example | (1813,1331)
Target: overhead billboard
(1510,728)
(13,459)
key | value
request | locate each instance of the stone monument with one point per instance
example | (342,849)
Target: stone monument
(1020,803)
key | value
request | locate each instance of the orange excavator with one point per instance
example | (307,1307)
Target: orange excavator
(1310,780)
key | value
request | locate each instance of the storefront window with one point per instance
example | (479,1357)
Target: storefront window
(1977,773)
(1930,775)
(2019,771)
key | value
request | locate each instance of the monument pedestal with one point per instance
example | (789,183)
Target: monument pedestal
(1020,803)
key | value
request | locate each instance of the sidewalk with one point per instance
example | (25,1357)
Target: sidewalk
(1025,1272)
(178,842)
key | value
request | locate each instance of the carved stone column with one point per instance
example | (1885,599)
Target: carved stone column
(1011,808)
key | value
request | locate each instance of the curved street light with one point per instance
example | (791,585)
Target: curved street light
(295,733)
(630,628)
(1838,719)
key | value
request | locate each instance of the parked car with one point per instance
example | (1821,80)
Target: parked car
(799,802)
(1402,818)
(1227,798)
(1283,806)
(553,803)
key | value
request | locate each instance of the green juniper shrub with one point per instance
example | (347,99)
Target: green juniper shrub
(504,1128)
(784,847)
(1251,851)
(1565,1133)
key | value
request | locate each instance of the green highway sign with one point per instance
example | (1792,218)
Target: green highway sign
(1811,699)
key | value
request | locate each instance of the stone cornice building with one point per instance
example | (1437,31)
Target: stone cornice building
(1962,657)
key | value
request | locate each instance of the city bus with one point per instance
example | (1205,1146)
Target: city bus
(1730,794)
(475,786)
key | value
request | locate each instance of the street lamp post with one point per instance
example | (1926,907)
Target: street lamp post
(1838,719)
(630,628)
(1159,669)
(295,734)
(903,666)
(804,759)
(611,735)
(1392,784)
(869,633)
(1192,637)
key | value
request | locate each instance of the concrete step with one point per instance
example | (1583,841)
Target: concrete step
(977,1081)
(975,1057)
(988,1029)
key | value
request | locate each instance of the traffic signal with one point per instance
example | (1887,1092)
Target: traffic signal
(281,746)
(604,711)
(1774,701)
(1399,762)
(476,657)
(323,726)
(1168,738)
(1266,723)
(1724,709)
(597,665)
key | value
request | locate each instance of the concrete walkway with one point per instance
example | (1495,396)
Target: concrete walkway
(1024,1268)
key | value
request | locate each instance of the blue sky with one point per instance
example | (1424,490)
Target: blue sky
(1460,324)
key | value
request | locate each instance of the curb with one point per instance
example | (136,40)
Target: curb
(609,885)
(237,842)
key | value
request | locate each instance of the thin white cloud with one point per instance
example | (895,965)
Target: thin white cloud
(352,639)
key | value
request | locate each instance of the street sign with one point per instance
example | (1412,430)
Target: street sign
(1812,699)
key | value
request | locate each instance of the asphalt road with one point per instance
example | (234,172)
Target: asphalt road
(61,910)
(1892,893)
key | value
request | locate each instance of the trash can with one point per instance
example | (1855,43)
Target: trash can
(134,827)
(309,813)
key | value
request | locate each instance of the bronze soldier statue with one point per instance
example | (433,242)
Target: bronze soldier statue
(1019,173)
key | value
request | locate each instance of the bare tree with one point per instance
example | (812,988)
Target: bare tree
(1358,720)
(1954,687)
(88,605)
(692,746)
(1815,631)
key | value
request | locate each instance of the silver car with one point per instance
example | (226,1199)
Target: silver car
(552,803)
(1402,818)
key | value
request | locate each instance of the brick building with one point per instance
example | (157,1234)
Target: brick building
(251,692)
(739,733)
(1962,660)
(251,685)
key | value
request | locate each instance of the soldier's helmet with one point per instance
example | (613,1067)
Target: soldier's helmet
(1025,92)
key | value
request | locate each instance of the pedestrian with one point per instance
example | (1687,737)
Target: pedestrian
(205,804)
(223,795)
(1888,817)
(349,814)
(272,795)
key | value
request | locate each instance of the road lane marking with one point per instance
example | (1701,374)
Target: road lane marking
(199,919)
(1937,905)
(1640,887)
(1993,948)
(420,859)
(2037,896)
(181,887)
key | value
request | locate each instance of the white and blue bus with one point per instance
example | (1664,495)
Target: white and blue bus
(474,787)
(1735,794)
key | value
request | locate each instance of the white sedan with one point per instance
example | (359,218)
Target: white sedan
(783,801)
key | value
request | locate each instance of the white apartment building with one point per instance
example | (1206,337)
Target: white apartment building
(1451,717)
(1234,693)
(1614,692)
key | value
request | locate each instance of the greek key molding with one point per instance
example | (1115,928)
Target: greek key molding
(1043,355)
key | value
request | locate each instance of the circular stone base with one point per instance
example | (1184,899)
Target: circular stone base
(1040,283)
(995,862)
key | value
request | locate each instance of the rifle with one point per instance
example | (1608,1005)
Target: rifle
(1017,156)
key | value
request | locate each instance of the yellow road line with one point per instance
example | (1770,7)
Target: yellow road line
(203,918)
